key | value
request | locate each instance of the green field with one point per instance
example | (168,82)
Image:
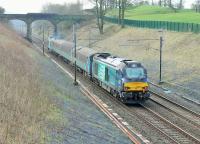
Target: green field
(156,13)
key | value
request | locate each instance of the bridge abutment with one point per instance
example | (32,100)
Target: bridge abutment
(29,32)
(55,32)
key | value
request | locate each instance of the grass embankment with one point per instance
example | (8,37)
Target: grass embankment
(23,101)
(156,13)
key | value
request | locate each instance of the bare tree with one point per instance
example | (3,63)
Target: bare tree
(165,3)
(2,10)
(170,3)
(100,13)
(122,6)
(160,2)
(120,11)
(181,4)
(152,2)
(123,12)
(71,8)
(196,6)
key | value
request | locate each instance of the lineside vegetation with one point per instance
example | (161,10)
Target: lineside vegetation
(23,101)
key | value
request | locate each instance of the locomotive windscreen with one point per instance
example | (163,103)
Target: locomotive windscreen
(133,73)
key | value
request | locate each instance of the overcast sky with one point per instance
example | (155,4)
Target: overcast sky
(25,6)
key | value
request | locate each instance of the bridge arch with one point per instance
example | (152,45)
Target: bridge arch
(37,27)
(53,18)
(19,25)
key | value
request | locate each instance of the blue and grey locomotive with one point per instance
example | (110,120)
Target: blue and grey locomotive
(123,78)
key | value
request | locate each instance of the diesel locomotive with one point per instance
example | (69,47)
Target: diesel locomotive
(123,78)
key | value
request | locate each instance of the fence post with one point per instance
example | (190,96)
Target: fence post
(167,25)
(180,26)
(192,29)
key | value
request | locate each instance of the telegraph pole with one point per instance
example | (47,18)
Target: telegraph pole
(43,40)
(160,50)
(161,46)
(75,68)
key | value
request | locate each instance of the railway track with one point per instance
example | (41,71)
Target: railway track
(156,121)
(184,97)
(172,131)
(165,127)
(176,108)
(191,101)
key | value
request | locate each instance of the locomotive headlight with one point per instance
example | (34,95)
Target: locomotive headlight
(146,88)
(126,88)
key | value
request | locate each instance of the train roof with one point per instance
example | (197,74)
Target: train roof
(65,45)
(115,61)
(85,51)
(62,42)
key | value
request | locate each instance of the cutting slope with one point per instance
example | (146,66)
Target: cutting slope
(180,51)
(23,99)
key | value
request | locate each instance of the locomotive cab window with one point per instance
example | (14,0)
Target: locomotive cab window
(134,72)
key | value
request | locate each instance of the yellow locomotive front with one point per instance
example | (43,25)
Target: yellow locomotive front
(135,85)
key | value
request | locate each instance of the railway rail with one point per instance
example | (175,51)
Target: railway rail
(155,120)
(191,101)
(186,98)
(165,127)
(178,109)
(174,132)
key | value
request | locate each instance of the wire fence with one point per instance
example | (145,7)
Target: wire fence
(171,26)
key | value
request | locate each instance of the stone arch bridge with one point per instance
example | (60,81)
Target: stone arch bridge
(55,19)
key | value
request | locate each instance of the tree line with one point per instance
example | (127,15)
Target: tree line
(66,8)
(2,10)
(63,9)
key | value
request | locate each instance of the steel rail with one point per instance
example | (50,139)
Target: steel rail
(188,99)
(173,110)
(173,125)
(175,103)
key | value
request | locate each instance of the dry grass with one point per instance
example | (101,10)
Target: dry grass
(22,100)
(181,50)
